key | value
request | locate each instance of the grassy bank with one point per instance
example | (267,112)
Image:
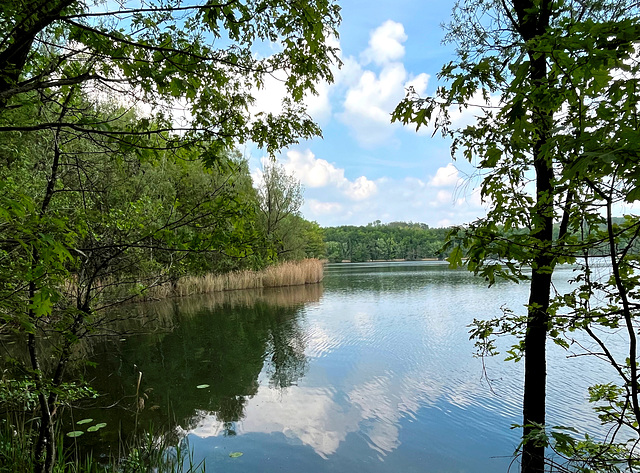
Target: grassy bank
(290,273)
(149,453)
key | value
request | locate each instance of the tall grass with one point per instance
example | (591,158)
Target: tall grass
(293,273)
(149,452)
(290,273)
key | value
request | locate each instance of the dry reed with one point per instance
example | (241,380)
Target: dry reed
(290,273)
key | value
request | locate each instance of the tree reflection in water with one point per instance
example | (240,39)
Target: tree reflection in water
(208,364)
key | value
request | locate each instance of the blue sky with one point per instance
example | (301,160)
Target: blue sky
(365,168)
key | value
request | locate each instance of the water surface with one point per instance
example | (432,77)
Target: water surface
(370,371)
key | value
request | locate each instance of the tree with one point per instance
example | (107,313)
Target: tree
(74,79)
(552,68)
(396,240)
(197,59)
(106,231)
(280,196)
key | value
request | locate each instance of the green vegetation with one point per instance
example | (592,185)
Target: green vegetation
(391,241)
(554,85)
(117,126)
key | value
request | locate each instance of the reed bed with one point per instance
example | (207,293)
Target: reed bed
(293,273)
(290,273)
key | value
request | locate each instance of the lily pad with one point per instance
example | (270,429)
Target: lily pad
(202,386)
(236,454)
(75,433)
(95,428)
(84,421)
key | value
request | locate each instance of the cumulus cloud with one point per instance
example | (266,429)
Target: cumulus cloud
(315,173)
(311,171)
(360,189)
(446,177)
(268,99)
(323,208)
(407,199)
(331,198)
(368,86)
(385,44)
(371,96)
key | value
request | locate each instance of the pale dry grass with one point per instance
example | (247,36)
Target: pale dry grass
(290,273)
(208,283)
(293,273)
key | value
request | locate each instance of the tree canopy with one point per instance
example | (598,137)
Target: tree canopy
(117,125)
(554,87)
(377,241)
(198,60)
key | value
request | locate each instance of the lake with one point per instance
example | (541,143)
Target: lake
(372,370)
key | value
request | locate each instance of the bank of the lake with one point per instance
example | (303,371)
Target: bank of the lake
(371,369)
(286,273)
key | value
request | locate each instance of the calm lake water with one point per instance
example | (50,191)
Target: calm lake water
(370,371)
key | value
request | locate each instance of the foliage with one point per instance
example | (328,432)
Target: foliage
(554,88)
(377,241)
(147,454)
(280,199)
(197,60)
(102,190)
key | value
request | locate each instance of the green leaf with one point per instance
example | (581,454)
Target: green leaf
(236,454)
(84,421)
(75,433)
(95,428)
(633,195)
(455,258)
(202,386)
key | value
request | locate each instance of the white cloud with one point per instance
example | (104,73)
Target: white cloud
(317,173)
(312,172)
(369,86)
(268,99)
(443,197)
(446,177)
(408,199)
(368,96)
(331,198)
(323,208)
(319,105)
(361,189)
(371,96)
(462,117)
(385,44)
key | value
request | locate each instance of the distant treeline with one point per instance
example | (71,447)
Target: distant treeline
(391,241)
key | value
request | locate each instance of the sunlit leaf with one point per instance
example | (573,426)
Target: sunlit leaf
(95,428)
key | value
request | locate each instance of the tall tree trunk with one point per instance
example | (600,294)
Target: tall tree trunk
(533,19)
(45,449)
(535,370)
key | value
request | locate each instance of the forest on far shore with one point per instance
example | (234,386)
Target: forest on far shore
(390,241)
